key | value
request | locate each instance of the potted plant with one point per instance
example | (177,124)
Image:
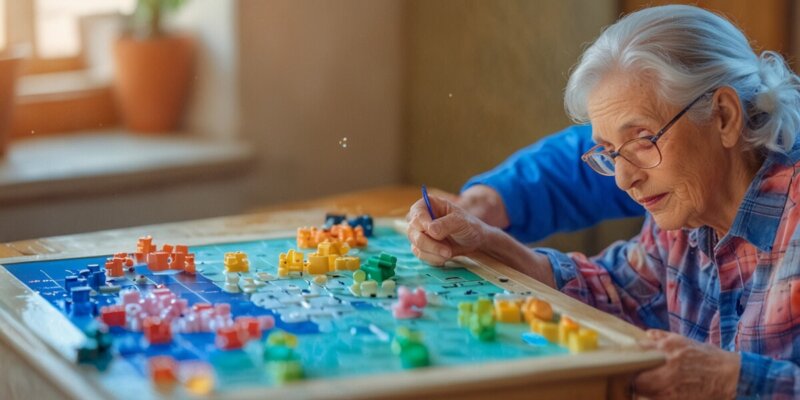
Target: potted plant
(153,69)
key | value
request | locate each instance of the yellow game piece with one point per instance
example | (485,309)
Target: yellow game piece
(583,340)
(320,280)
(483,306)
(289,262)
(565,327)
(198,377)
(236,262)
(316,265)
(347,263)
(549,330)
(535,324)
(507,311)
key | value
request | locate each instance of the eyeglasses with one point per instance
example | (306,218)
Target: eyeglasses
(641,152)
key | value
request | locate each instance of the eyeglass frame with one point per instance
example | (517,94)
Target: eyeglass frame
(652,138)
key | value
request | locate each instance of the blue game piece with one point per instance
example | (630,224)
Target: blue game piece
(98,279)
(81,303)
(535,339)
(84,273)
(364,221)
(333,219)
(93,268)
(70,282)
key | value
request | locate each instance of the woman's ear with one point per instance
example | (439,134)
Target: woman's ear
(728,116)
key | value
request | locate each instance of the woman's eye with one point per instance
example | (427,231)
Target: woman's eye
(644,133)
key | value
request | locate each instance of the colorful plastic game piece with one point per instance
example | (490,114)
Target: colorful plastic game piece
(198,377)
(290,262)
(549,330)
(158,261)
(113,315)
(369,288)
(236,262)
(229,338)
(381,267)
(156,331)
(333,219)
(96,348)
(163,372)
(566,327)
(507,311)
(81,300)
(582,341)
(346,263)
(115,267)
(464,314)
(364,221)
(231,282)
(316,264)
(145,245)
(482,322)
(409,304)
(190,267)
(282,362)
(177,261)
(535,308)
(408,345)
(388,288)
(359,277)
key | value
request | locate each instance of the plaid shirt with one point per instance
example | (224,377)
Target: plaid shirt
(741,293)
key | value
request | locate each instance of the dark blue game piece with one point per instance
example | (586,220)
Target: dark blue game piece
(333,219)
(84,273)
(93,268)
(98,279)
(81,302)
(365,222)
(70,282)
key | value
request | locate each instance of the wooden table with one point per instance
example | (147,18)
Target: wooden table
(33,369)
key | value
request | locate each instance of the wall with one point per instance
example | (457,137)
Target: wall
(485,79)
(313,73)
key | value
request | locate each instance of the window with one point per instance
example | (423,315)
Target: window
(57,32)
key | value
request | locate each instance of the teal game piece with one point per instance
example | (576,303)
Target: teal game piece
(96,349)
(381,267)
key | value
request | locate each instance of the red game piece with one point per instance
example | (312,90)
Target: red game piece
(113,315)
(163,371)
(157,331)
(228,338)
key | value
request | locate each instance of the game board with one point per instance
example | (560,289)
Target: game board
(339,335)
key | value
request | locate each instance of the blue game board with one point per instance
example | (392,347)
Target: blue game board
(338,334)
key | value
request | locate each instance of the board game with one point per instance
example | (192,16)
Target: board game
(298,328)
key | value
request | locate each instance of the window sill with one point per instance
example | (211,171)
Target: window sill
(112,162)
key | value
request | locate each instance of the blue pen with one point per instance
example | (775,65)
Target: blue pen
(427,202)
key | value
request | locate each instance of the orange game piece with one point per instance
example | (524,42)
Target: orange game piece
(158,261)
(163,371)
(190,267)
(114,267)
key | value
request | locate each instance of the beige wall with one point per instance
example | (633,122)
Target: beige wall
(311,74)
(485,79)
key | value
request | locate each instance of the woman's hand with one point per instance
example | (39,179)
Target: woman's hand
(693,370)
(454,232)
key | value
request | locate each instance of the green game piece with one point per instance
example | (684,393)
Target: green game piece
(408,345)
(286,371)
(464,313)
(282,338)
(478,318)
(283,363)
(381,267)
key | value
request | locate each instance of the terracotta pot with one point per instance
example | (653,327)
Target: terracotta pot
(9,68)
(153,78)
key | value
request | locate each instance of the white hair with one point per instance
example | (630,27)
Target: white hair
(688,51)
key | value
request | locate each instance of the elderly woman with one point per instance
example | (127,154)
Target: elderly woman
(703,133)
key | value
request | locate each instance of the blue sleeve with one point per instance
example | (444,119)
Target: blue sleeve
(546,188)
(762,377)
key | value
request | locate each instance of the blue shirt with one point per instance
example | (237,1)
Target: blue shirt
(548,175)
